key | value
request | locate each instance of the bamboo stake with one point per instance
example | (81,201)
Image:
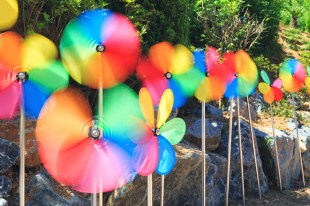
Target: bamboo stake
(203,148)
(162,190)
(240,151)
(22,154)
(149,190)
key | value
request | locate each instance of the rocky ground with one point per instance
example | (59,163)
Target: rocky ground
(182,185)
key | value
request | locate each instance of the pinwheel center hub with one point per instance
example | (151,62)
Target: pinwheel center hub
(22,76)
(156,131)
(94,133)
(207,74)
(236,74)
(100,48)
(168,75)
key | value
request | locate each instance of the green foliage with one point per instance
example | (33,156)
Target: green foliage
(263,63)
(305,58)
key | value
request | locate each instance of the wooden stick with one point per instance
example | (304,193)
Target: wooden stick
(22,154)
(149,191)
(240,151)
(203,148)
(254,148)
(162,190)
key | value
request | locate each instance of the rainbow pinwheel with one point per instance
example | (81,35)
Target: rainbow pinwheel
(212,75)
(154,150)
(169,67)
(271,92)
(29,72)
(308,79)
(8,13)
(79,154)
(242,74)
(293,75)
(100,48)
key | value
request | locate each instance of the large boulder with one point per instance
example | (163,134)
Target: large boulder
(213,133)
(248,162)
(9,153)
(243,109)
(305,138)
(10,130)
(182,185)
(211,111)
(5,186)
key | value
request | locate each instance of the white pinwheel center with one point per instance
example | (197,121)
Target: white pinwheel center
(168,75)
(100,48)
(156,131)
(22,76)
(94,133)
(236,74)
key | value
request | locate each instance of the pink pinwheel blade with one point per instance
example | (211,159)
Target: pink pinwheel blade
(10,101)
(92,166)
(145,157)
(212,58)
(277,83)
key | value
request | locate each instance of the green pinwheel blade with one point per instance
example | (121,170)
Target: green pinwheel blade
(51,77)
(265,77)
(308,71)
(173,130)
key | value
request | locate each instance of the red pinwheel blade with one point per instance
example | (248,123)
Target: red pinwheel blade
(10,50)
(92,166)
(10,101)
(278,94)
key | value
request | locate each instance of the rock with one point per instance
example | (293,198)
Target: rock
(291,125)
(248,162)
(288,158)
(182,185)
(243,110)
(305,137)
(3,202)
(257,102)
(306,106)
(10,130)
(9,152)
(213,133)
(211,111)
(5,186)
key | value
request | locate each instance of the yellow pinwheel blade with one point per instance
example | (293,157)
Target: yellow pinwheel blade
(147,107)
(307,81)
(263,87)
(8,13)
(165,107)
(37,51)
(182,60)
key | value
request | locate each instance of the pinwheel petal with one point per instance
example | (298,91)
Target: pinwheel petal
(147,106)
(173,130)
(308,70)
(265,77)
(165,107)
(7,76)
(10,50)
(145,157)
(160,56)
(269,96)
(200,63)
(308,81)
(8,13)
(181,61)
(277,83)
(278,94)
(10,101)
(179,96)
(232,89)
(166,157)
(263,87)
(293,74)
(212,58)
(139,132)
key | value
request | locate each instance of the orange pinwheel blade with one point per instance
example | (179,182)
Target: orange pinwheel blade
(160,55)
(147,107)
(165,107)
(64,121)
(10,50)
(269,96)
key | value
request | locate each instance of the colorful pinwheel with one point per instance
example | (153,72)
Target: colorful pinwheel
(79,154)
(308,79)
(242,74)
(154,150)
(8,13)
(100,48)
(212,75)
(271,92)
(293,75)
(169,67)
(29,72)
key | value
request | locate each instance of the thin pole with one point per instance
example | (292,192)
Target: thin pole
(100,113)
(22,154)
(229,150)
(275,143)
(203,148)
(254,148)
(240,150)
(162,190)
(300,157)
(94,199)
(149,190)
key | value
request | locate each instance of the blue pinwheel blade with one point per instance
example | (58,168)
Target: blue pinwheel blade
(200,62)
(179,96)
(166,156)
(232,89)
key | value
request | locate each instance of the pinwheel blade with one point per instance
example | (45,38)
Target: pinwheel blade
(160,56)
(64,121)
(308,70)
(173,130)
(277,83)
(211,89)
(269,96)
(37,51)
(263,87)
(10,101)
(139,131)
(278,94)
(166,157)
(308,84)
(200,63)
(147,106)
(265,77)
(145,157)
(10,50)
(8,13)
(92,166)
(7,76)
(212,58)
(165,108)
(182,60)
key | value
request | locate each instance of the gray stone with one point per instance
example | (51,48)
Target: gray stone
(211,111)
(248,162)
(9,152)
(257,101)
(3,202)
(305,137)
(213,133)
(243,110)
(291,125)
(5,186)
(182,185)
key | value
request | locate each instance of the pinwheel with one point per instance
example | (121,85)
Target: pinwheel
(308,79)
(90,154)
(8,13)
(154,150)
(212,87)
(293,76)
(29,73)
(242,76)
(272,93)
(169,67)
